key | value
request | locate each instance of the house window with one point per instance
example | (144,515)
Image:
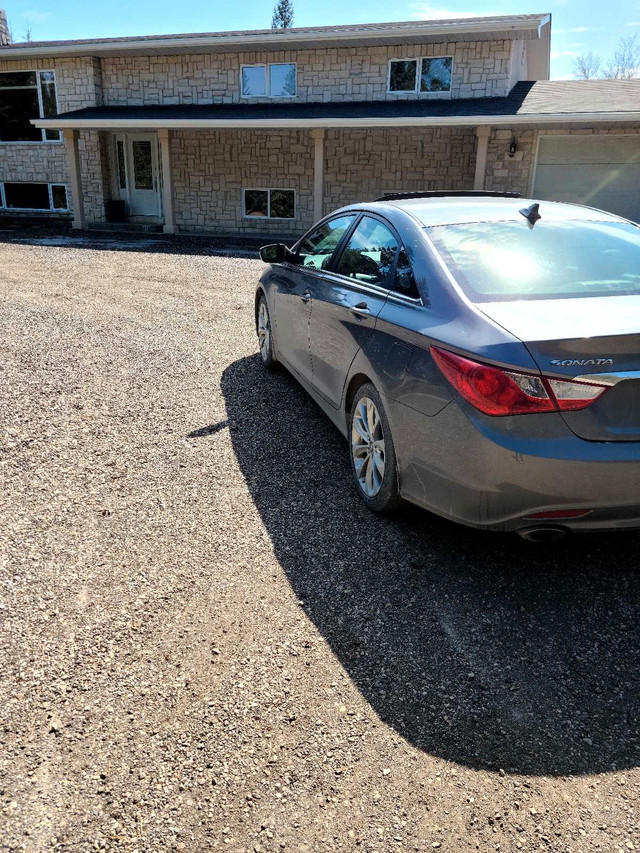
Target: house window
(413,76)
(277,80)
(435,74)
(269,204)
(30,196)
(25,95)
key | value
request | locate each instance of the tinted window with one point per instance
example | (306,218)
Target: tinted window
(316,250)
(511,260)
(404,280)
(370,252)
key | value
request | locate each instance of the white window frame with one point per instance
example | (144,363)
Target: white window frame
(416,86)
(268,217)
(267,80)
(50,209)
(43,140)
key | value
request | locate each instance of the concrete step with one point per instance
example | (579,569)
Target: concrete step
(126,227)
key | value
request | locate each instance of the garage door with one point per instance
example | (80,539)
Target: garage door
(601,171)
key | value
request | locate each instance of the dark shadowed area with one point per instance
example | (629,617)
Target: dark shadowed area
(475,647)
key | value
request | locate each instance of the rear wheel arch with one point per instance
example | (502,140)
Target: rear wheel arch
(356,381)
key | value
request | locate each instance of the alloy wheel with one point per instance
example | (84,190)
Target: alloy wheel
(368,447)
(264,332)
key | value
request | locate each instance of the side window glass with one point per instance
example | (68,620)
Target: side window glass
(316,251)
(404,281)
(370,253)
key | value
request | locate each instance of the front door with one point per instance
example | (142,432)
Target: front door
(295,284)
(137,161)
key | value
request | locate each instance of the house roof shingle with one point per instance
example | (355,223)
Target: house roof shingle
(557,100)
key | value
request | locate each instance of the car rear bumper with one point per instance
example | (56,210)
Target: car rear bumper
(494,472)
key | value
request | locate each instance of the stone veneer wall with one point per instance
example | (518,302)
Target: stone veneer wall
(79,84)
(510,174)
(363,164)
(212,167)
(480,69)
(515,174)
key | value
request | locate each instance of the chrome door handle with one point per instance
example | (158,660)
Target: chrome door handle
(360,310)
(305,295)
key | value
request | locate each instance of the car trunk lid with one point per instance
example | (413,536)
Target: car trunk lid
(594,338)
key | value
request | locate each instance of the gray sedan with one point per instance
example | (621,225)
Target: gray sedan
(479,352)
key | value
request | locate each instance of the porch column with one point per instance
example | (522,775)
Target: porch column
(483,133)
(318,173)
(73,156)
(168,205)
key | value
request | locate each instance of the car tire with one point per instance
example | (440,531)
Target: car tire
(372,454)
(265,334)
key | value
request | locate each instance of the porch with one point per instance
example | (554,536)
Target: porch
(226,180)
(275,169)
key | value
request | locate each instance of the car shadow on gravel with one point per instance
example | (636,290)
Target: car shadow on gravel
(477,648)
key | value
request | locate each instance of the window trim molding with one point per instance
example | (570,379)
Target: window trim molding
(416,88)
(267,80)
(49,185)
(43,131)
(268,217)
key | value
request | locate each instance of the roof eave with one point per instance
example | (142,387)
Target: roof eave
(283,37)
(336,122)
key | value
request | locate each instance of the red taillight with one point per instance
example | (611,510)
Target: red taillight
(507,392)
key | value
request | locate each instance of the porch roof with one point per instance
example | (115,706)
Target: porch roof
(539,102)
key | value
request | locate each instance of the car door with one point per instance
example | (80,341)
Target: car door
(295,283)
(346,302)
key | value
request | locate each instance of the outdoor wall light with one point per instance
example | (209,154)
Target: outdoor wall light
(513,147)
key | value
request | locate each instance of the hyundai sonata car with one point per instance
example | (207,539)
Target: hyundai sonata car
(480,353)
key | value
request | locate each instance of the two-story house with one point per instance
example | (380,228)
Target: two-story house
(264,131)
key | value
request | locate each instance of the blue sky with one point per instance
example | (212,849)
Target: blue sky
(578,25)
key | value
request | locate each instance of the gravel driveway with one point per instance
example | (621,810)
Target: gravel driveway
(207,642)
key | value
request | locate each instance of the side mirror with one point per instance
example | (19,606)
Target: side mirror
(275,253)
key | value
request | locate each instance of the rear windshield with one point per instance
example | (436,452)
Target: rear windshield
(504,261)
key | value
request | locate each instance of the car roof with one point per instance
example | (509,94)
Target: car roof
(455,210)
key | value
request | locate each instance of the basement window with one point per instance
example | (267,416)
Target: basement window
(277,80)
(25,95)
(32,196)
(428,74)
(268,204)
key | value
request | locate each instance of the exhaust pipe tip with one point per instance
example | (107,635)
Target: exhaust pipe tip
(542,534)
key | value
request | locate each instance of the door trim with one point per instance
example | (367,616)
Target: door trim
(124,194)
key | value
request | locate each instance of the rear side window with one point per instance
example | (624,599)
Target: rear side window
(370,253)
(404,281)
(316,250)
(503,261)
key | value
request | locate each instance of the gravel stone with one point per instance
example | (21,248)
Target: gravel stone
(207,642)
